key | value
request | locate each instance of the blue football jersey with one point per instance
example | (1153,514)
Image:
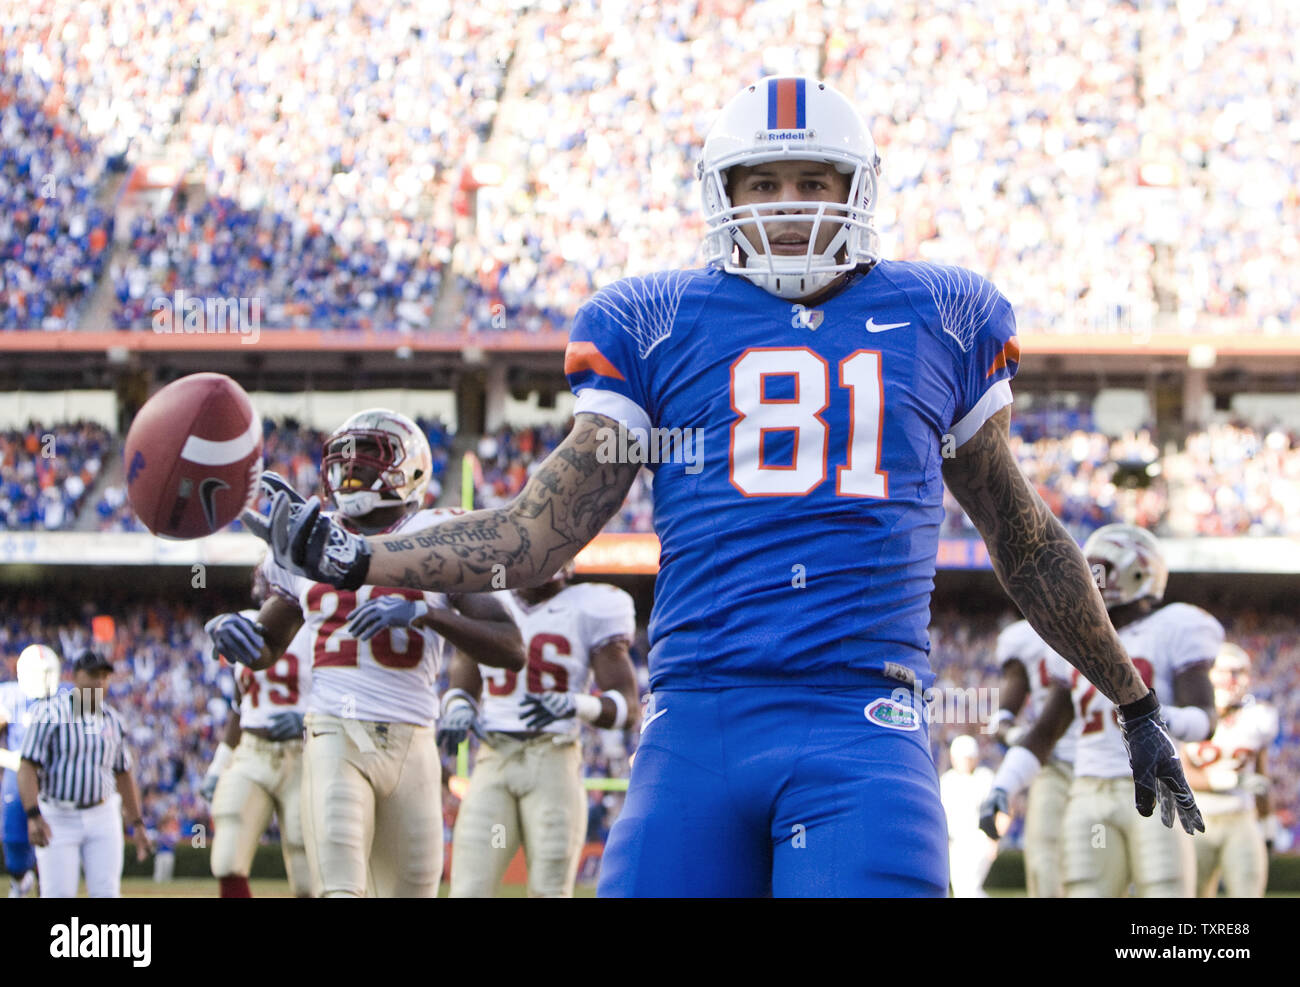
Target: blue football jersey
(798,507)
(15,705)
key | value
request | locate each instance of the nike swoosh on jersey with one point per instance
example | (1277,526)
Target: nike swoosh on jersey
(873,327)
(646,724)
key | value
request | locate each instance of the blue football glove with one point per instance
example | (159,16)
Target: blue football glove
(459,719)
(544,708)
(236,637)
(305,541)
(285,726)
(384,612)
(1157,770)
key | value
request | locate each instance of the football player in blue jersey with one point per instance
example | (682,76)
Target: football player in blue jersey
(828,394)
(38,678)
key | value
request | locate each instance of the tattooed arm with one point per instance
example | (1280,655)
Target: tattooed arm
(1037,561)
(562,507)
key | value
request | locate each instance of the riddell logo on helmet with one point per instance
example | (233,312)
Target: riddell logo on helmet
(788,135)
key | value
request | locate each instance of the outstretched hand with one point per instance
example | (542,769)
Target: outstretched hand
(307,541)
(1157,770)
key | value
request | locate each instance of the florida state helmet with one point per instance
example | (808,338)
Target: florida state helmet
(1132,567)
(377,458)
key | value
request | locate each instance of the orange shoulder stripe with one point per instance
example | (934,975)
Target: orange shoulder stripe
(1010,354)
(585,356)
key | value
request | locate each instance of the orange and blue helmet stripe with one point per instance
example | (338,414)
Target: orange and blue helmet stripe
(785,104)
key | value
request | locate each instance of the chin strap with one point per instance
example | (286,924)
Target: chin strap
(790,286)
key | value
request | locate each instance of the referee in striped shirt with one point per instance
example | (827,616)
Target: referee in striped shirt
(76,786)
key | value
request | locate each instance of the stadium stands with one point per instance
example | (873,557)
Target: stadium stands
(46,472)
(53,233)
(1112,169)
(1227,479)
(402,167)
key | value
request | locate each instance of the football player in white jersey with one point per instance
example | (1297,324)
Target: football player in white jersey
(1022,656)
(527,786)
(1229,773)
(257,767)
(371,791)
(1107,843)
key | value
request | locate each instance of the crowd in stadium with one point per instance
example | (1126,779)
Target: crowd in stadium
(308,278)
(330,165)
(53,233)
(47,471)
(175,696)
(1226,479)
(123,69)
(1115,164)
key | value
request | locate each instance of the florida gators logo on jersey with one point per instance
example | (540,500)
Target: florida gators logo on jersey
(892,714)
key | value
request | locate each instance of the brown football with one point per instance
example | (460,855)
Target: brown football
(193,456)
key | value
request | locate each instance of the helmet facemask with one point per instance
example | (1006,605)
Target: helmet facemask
(789,119)
(362,471)
(733,228)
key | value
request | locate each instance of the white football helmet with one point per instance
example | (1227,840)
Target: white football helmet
(377,458)
(1132,564)
(790,119)
(38,671)
(1230,675)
